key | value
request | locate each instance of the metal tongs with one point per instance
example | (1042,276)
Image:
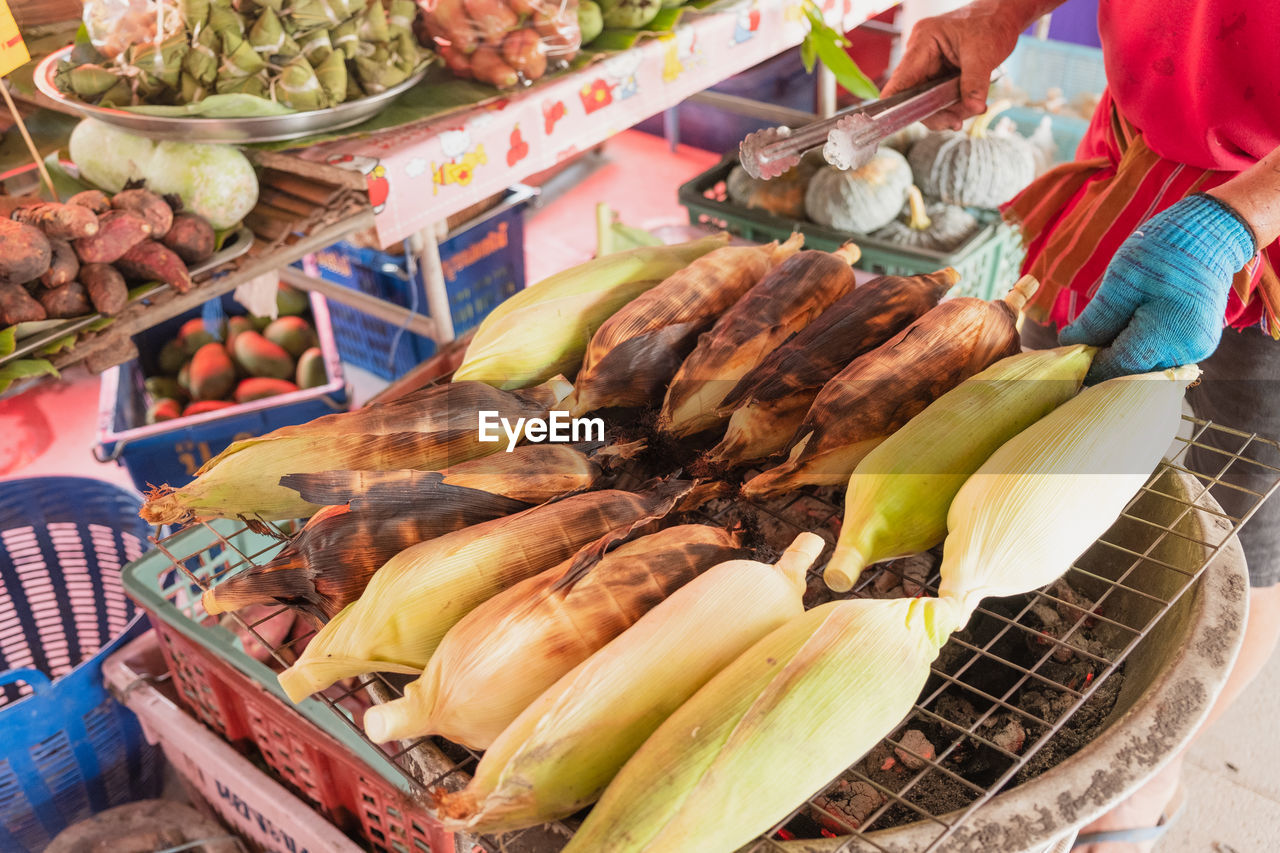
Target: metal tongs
(849,138)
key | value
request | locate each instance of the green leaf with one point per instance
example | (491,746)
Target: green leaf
(235,105)
(24,369)
(58,345)
(829,46)
(8,340)
(808,53)
(665,20)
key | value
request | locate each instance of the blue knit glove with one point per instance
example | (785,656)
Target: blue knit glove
(1163,296)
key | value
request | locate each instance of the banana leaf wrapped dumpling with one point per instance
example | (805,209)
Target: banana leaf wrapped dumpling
(332,74)
(87,81)
(316,47)
(243,61)
(191,90)
(400,16)
(227,25)
(161,62)
(298,86)
(269,38)
(373,25)
(345,37)
(201,61)
(255,84)
(194,12)
(324,13)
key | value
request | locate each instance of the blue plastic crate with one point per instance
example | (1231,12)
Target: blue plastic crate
(483,263)
(67,748)
(171,451)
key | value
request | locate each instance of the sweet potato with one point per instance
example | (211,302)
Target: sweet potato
(488,67)
(106,287)
(65,302)
(96,200)
(25,252)
(524,51)
(17,306)
(152,261)
(491,19)
(59,221)
(149,206)
(118,232)
(63,267)
(191,238)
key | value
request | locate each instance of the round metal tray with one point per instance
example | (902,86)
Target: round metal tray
(224,130)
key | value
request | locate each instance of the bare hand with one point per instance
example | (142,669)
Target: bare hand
(973,40)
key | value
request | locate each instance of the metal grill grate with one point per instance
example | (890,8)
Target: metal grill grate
(429,763)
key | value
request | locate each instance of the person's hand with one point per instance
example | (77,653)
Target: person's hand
(973,40)
(1162,298)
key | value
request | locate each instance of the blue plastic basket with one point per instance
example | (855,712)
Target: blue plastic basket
(1038,65)
(483,264)
(67,748)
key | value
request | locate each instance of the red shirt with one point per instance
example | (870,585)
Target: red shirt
(1199,78)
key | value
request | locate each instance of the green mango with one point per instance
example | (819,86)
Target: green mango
(590,20)
(629,14)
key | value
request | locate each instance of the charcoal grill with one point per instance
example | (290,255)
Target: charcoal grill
(1167,581)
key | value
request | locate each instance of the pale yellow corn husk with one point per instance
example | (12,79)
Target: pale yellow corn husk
(426,430)
(502,655)
(1049,492)
(544,329)
(898,496)
(784,719)
(559,754)
(633,356)
(423,591)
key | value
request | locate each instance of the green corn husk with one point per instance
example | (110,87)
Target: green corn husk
(194,12)
(898,496)
(201,61)
(87,81)
(244,61)
(269,38)
(786,717)
(345,38)
(316,47)
(332,74)
(545,328)
(298,86)
(427,430)
(400,17)
(191,90)
(373,24)
(256,85)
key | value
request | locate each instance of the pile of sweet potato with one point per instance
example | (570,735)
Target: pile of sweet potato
(66,260)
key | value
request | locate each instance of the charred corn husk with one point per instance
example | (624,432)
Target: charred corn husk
(786,717)
(898,496)
(502,655)
(768,404)
(1055,487)
(784,302)
(429,429)
(544,329)
(377,514)
(562,750)
(881,390)
(423,591)
(633,356)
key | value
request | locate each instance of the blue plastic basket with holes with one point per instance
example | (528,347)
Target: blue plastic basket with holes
(67,748)
(1035,67)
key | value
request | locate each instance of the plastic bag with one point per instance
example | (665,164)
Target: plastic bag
(504,42)
(114,25)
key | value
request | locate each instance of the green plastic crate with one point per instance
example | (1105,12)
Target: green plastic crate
(988,262)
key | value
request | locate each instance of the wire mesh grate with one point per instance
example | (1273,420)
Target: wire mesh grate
(974,702)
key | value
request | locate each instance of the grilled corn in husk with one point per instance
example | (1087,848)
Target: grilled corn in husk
(633,356)
(784,302)
(768,404)
(429,429)
(898,496)
(562,750)
(544,329)
(374,515)
(422,592)
(881,390)
(502,655)
(783,719)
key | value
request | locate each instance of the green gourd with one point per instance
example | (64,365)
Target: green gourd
(939,227)
(859,200)
(973,168)
(782,196)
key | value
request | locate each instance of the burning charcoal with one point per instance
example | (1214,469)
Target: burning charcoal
(849,802)
(1072,605)
(885,580)
(914,741)
(1011,738)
